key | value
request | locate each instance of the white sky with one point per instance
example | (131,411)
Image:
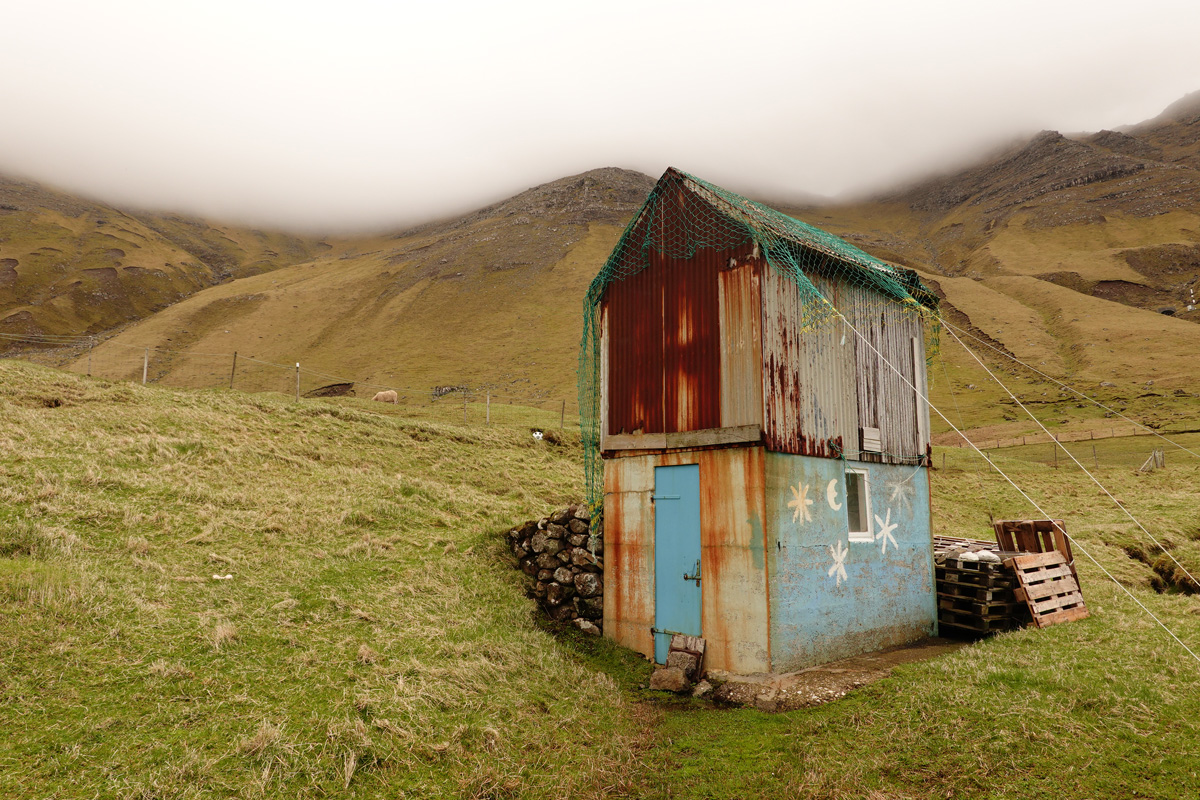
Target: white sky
(357,114)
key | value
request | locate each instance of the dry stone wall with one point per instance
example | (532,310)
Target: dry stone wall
(564,568)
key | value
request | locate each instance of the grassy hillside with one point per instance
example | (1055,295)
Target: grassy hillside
(491,300)
(373,640)
(70,266)
(368,635)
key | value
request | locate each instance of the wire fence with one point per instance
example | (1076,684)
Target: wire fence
(1110,432)
(1126,450)
(188,369)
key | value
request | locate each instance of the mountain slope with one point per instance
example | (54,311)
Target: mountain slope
(1115,215)
(70,266)
(493,298)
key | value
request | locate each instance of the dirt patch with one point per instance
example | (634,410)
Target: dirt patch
(1133,294)
(821,684)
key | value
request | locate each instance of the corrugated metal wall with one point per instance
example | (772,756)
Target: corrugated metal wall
(821,385)
(666,350)
(741,344)
(885,400)
(734,593)
(810,403)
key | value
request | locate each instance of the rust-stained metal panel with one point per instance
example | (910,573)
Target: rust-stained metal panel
(665,345)
(634,311)
(823,384)
(691,340)
(886,398)
(735,603)
(741,345)
(629,552)
(810,404)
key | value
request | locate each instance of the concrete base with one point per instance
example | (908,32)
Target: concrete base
(821,684)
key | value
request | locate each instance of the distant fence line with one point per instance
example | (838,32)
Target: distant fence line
(1063,438)
(452,402)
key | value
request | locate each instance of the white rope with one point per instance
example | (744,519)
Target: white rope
(1066,386)
(1086,471)
(1031,501)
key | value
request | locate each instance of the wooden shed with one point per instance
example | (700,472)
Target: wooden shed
(753,388)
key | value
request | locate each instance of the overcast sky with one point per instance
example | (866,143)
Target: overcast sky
(357,115)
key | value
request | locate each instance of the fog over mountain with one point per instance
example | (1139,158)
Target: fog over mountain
(366,116)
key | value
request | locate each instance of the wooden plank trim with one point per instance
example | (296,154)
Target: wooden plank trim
(1035,560)
(1066,615)
(1048,604)
(684,440)
(1048,589)
(1034,577)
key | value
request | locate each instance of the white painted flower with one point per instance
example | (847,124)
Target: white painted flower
(838,552)
(902,493)
(800,502)
(886,526)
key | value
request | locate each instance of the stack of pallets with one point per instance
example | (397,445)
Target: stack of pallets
(1048,586)
(977,597)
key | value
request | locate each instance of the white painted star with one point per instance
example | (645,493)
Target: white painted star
(886,526)
(902,493)
(800,501)
(839,553)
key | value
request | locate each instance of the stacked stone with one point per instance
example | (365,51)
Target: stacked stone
(564,575)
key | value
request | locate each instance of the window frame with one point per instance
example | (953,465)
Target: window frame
(867,535)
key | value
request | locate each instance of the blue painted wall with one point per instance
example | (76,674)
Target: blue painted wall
(831,597)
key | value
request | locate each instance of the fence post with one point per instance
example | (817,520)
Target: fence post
(297,381)
(1055,452)
(1095,460)
(233,371)
(562,420)
(145,365)
(90,361)
(489,406)
(464,406)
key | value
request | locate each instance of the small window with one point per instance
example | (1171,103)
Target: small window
(858,506)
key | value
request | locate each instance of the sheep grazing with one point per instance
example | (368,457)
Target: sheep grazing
(386,397)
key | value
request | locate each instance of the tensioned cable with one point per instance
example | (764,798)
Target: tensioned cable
(1068,387)
(958,411)
(1021,491)
(1086,471)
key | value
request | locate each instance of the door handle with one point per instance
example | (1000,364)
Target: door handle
(695,576)
(654,497)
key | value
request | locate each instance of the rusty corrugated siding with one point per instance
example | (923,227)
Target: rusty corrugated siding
(741,344)
(821,385)
(634,312)
(734,589)
(691,341)
(808,376)
(885,399)
(665,350)
(629,553)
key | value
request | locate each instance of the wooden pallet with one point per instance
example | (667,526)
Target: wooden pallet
(984,608)
(976,623)
(944,544)
(977,597)
(1046,583)
(1033,536)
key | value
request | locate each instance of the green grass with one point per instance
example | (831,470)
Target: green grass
(373,639)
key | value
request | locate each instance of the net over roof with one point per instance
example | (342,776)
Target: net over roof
(684,214)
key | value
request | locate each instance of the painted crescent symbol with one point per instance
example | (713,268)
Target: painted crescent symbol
(831,495)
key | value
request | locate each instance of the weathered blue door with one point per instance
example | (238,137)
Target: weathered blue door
(676,555)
